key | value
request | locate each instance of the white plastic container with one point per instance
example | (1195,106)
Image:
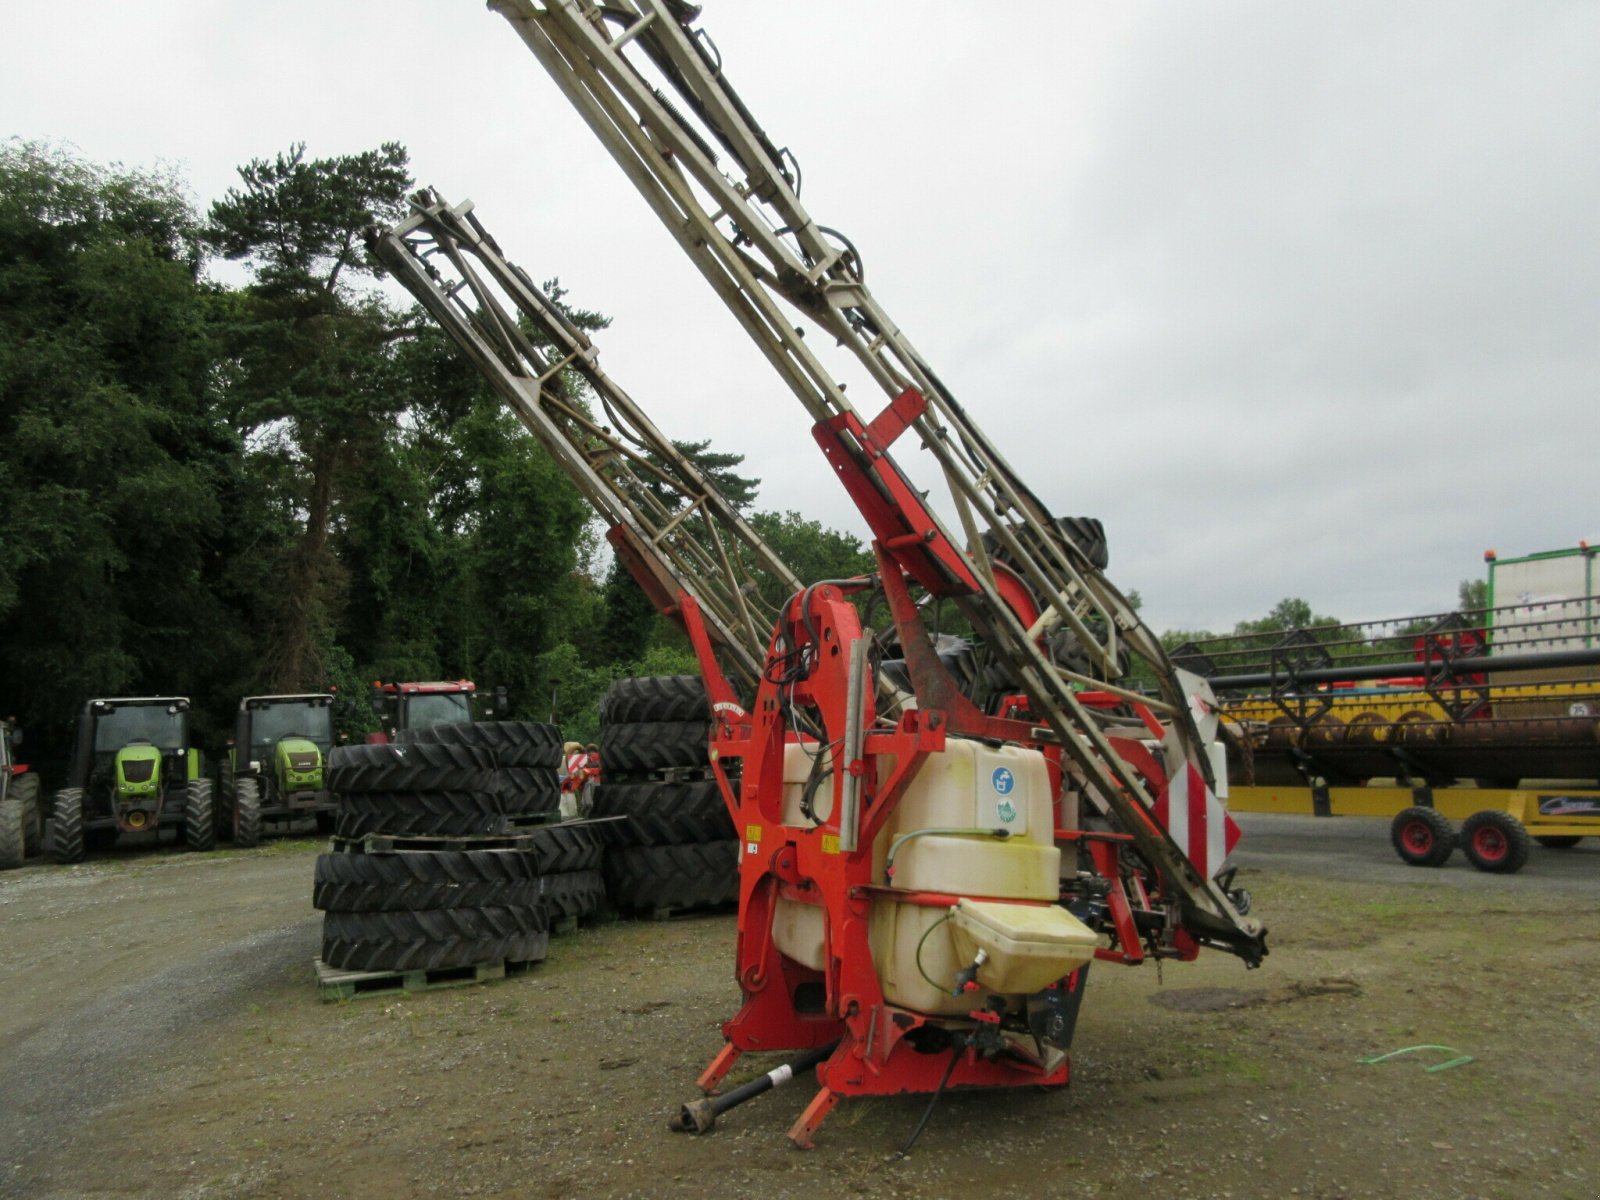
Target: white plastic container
(1028,946)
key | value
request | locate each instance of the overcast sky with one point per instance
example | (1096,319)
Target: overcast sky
(1300,299)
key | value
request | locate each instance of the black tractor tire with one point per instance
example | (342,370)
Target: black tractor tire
(663,814)
(653,745)
(420,814)
(673,877)
(66,826)
(222,804)
(423,879)
(25,788)
(1422,837)
(1558,841)
(655,698)
(1495,841)
(561,849)
(528,791)
(515,743)
(13,834)
(246,814)
(199,822)
(415,766)
(434,938)
(573,894)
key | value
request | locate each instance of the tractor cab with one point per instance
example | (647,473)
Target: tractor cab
(418,705)
(133,770)
(275,762)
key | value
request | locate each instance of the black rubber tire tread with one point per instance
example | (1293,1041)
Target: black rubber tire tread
(654,745)
(573,894)
(1558,841)
(423,879)
(66,826)
(434,938)
(245,817)
(560,849)
(663,814)
(649,877)
(199,821)
(414,767)
(515,743)
(13,834)
(421,814)
(1514,838)
(655,698)
(528,790)
(25,787)
(1422,837)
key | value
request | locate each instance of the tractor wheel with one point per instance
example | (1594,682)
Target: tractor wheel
(66,826)
(246,822)
(1553,841)
(1422,837)
(573,894)
(434,938)
(415,766)
(561,849)
(670,877)
(653,745)
(13,834)
(1495,841)
(663,814)
(515,743)
(425,880)
(25,788)
(420,814)
(199,822)
(529,791)
(655,698)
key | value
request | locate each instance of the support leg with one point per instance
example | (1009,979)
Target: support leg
(815,1114)
(719,1068)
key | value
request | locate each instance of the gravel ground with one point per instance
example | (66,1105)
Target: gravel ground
(163,1036)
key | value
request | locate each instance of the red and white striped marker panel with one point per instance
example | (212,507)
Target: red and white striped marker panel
(1196,821)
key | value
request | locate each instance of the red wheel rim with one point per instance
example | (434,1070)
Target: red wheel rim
(1418,838)
(1490,843)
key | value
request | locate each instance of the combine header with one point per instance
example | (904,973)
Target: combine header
(938,837)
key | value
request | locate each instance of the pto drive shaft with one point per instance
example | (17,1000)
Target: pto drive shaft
(698,1116)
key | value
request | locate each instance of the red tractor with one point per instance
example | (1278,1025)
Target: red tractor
(417,705)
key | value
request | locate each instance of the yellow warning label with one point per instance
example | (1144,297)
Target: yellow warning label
(752,833)
(830,843)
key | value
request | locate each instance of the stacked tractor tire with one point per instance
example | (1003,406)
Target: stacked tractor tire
(442,855)
(670,843)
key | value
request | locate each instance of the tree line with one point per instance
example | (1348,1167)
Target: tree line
(290,483)
(284,485)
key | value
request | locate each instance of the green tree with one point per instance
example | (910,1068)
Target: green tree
(121,484)
(308,373)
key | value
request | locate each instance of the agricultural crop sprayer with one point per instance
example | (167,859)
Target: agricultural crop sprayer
(938,837)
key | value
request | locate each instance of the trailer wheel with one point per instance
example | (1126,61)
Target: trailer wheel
(199,823)
(1422,837)
(66,826)
(13,834)
(1495,841)
(1558,841)
(246,813)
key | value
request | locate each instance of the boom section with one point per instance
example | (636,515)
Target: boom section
(651,87)
(672,528)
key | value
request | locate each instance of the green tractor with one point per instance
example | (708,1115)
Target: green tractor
(133,770)
(19,802)
(274,766)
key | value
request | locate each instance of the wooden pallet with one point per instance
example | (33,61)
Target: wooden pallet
(395,843)
(334,984)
